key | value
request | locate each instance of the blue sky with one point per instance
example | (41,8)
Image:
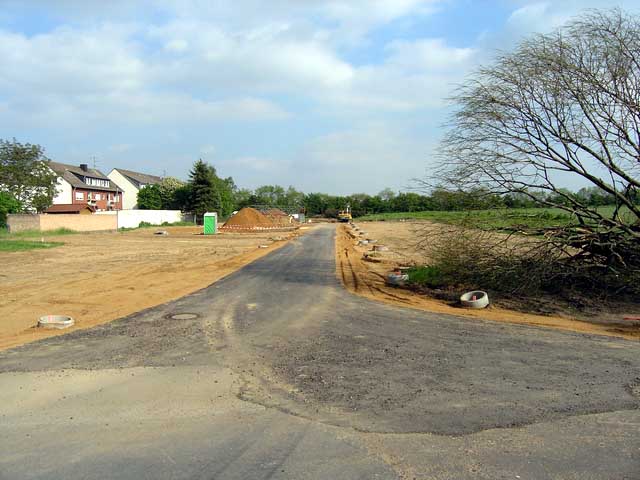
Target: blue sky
(335,96)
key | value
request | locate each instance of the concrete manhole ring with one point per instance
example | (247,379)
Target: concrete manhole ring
(58,322)
(182,316)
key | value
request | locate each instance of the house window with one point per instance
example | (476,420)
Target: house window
(97,196)
(96,182)
(79,195)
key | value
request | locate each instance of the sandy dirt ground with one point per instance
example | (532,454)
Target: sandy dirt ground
(98,277)
(367,278)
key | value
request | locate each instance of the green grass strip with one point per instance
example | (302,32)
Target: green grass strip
(4,233)
(21,245)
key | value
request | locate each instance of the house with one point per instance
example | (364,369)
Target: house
(72,208)
(131,183)
(86,186)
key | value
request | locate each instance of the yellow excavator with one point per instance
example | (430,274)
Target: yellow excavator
(345,215)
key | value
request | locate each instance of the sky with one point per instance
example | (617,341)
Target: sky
(335,96)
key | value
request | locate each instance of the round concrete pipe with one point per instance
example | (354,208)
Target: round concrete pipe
(55,322)
(397,279)
(476,299)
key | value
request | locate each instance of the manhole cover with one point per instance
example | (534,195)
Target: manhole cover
(183,316)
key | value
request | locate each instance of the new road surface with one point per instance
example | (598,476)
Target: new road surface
(276,372)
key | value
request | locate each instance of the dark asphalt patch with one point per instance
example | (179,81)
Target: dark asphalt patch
(452,377)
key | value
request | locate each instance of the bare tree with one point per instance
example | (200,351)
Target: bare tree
(564,104)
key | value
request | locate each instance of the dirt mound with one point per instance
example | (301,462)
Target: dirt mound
(280,218)
(275,212)
(248,218)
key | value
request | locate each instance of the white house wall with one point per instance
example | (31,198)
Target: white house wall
(64,192)
(130,196)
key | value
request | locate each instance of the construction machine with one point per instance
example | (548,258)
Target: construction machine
(345,215)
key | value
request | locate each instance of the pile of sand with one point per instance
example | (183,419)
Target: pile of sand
(248,218)
(275,212)
(278,217)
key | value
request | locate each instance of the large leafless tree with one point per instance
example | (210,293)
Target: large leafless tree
(561,105)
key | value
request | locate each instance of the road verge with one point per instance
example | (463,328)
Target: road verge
(360,278)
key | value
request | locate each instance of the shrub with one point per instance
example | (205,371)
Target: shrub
(485,260)
(8,204)
(150,198)
(429,276)
(512,264)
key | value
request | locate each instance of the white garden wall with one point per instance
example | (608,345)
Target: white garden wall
(132,218)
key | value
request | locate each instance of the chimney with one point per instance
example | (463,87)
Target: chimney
(84,167)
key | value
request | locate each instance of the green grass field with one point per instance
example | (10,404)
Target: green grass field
(498,219)
(21,245)
(17,242)
(4,233)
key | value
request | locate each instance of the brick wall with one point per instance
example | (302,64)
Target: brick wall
(21,223)
(79,223)
(100,204)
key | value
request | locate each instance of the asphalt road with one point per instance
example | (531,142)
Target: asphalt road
(276,372)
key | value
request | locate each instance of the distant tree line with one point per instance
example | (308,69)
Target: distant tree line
(205,191)
(441,199)
(28,185)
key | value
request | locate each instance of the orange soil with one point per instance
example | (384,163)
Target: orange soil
(99,277)
(366,279)
(248,217)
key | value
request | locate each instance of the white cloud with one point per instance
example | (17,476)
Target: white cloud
(544,16)
(273,57)
(229,64)
(72,76)
(431,55)
(415,75)
(68,61)
(536,17)
(198,67)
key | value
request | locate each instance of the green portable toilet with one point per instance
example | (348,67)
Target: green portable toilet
(210,223)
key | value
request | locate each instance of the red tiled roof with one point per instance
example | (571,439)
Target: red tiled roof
(69,208)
